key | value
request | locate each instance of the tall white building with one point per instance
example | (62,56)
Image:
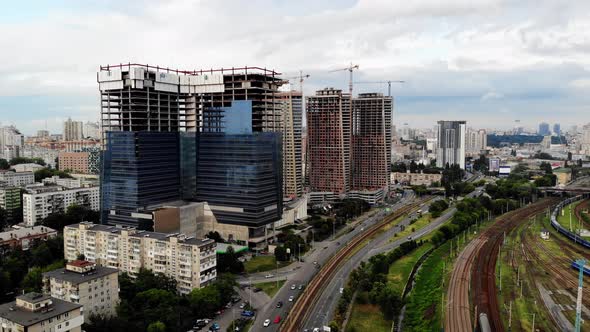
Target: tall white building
(10,136)
(451,143)
(40,202)
(91,130)
(475,141)
(17,179)
(191,261)
(586,139)
(73,130)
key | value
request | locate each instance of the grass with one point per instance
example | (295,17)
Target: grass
(263,264)
(270,287)
(400,270)
(367,317)
(564,220)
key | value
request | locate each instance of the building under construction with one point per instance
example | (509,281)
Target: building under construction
(349,149)
(328,144)
(371,146)
(150,98)
(291,103)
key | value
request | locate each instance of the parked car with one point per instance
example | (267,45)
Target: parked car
(300,287)
(243,305)
(266,323)
(228,305)
(247,313)
(215,327)
(235,299)
(257,289)
(277,319)
(293,287)
(291,298)
(280,304)
(270,275)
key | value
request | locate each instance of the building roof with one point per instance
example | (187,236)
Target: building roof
(77,278)
(23,317)
(25,231)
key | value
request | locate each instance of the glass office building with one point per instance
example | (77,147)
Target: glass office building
(239,176)
(139,169)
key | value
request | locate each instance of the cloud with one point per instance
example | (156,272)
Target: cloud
(491,96)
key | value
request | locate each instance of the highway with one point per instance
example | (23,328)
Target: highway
(324,308)
(301,276)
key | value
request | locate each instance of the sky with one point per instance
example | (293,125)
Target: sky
(490,62)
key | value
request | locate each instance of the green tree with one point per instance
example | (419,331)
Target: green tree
(3,219)
(4,164)
(281,254)
(157,327)
(229,262)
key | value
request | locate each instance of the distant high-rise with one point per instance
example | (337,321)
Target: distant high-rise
(91,130)
(556,129)
(371,142)
(73,130)
(586,139)
(292,154)
(451,143)
(544,129)
(328,141)
(476,141)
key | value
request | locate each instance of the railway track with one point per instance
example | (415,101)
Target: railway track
(299,312)
(584,205)
(478,259)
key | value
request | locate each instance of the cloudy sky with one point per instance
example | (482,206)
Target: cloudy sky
(489,62)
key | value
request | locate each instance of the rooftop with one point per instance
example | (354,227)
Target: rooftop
(25,318)
(79,278)
(25,231)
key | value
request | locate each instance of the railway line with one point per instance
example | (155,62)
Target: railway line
(474,275)
(300,310)
(584,205)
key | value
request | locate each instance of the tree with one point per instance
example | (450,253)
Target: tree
(229,262)
(399,168)
(24,160)
(545,166)
(47,173)
(413,167)
(157,327)
(215,236)
(3,219)
(4,164)
(281,254)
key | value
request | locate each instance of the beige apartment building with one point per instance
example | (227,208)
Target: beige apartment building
(415,179)
(96,288)
(34,312)
(191,261)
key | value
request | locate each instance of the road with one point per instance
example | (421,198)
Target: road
(326,304)
(301,276)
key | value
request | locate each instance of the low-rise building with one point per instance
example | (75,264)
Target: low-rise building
(96,288)
(34,312)
(76,162)
(17,179)
(30,167)
(564,175)
(415,179)
(40,202)
(23,236)
(190,261)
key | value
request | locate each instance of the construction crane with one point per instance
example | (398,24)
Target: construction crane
(301,78)
(350,69)
(382,82)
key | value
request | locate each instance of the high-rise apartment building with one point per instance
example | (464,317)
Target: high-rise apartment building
(475,141)
(96,288)
(328,141)
(451,143)
(40,202)
(191,262)
(371,145)
(544,129)
(10,136)
(586,139)
(292,154)
(73,130)
(91,130)
(10,201)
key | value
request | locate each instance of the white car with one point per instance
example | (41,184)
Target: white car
(293,287)
(242,306)
(291,298)
(266,323)
(269,276)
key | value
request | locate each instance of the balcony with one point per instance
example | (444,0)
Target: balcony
(74,296)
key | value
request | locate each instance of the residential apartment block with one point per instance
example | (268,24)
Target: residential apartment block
(292,103)
(17,179)
(34,312)
(451,143)
(96,288)
(39,202)
(73,130)
(24,236)
(10,201)
(76,162)
(192,262)
(415,179)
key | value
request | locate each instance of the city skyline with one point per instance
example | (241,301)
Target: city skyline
(511,60)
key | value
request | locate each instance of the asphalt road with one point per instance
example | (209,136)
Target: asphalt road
(324,308)
(302,275)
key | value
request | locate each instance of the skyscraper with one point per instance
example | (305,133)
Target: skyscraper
(72,130)
(476,141)
(328,141)
(91,130)
(451,143)
(371,145)
(291,128)
(544,129)
(556,129)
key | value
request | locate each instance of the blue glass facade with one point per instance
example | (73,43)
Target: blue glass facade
(240,176)
(139,169)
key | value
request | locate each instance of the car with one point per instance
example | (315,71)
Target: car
(409,238)
(279,304)
(228,305)
(243,305)
(315,262)
(293,287)
(215,327)
(266,323)
(316,329)
(219,312)
(247,313)
(270,275)
(257,289)
(300,287)
(291,298)
(277,319)
(201,322)
(235,299)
